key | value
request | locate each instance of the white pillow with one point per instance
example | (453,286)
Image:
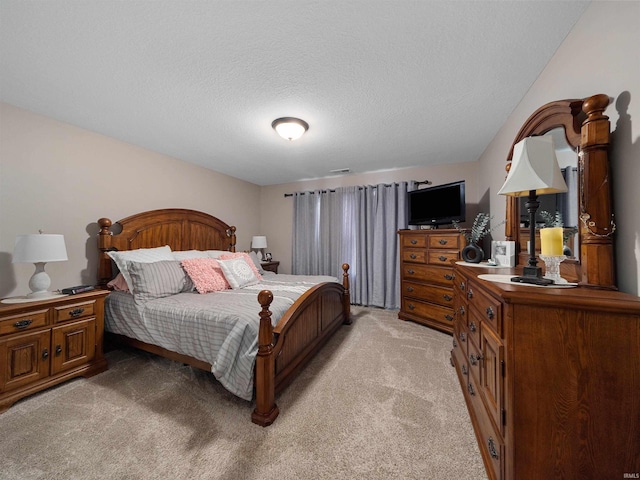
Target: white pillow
(238,272)
(256,261)
(216,253)
(187,254)
(141,255)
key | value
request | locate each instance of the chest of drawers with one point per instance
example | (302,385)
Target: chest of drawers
(46,342)
(551,377)
(426,258)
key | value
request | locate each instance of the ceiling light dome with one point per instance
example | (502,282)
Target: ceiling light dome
(290,128)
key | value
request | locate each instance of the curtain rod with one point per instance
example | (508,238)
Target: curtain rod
(425,182)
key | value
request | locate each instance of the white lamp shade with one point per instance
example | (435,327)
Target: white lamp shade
(534,167)
(39,248)
(290,128)
(259,241)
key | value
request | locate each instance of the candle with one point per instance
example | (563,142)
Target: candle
(551,241)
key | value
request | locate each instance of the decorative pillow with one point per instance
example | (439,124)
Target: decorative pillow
(239,272)
(141,255)
(119,284)
(185,254)
(157,280)
(206,274)
(247,259)
(256,262)
(217,253)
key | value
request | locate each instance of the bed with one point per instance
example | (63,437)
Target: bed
(283,347)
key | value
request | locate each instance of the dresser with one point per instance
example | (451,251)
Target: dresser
(47,342)
(426,277)
(550,376)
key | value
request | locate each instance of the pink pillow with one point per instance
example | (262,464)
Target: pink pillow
(206,274)
(247,258)
(119,284)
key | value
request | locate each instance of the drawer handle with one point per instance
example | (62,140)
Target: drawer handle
(448,277)
(470,388)
(447,297)
(45,354)
(464,369)
(410,272)
(411,306)
(442,241)
(23,323)
(470,294)
(490,313)
(492,448)
(472,326)
(462,310)
(455,344)
(76,312)
(463,337)
(442,258)
(413,256)
(58,350)
(462,286)
(414,241)
(409,289)
(474,359)
(449,317)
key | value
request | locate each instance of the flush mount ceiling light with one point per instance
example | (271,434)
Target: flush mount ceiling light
(290,128)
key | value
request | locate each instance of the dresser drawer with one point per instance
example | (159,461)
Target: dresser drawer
(429,293)
(23,322)
(446,241)
(414,255)
(428,310)
(443,257)
(414,240)
(488,308)
(73,311)
(427,274)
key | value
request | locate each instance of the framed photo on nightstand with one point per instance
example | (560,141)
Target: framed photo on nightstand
(503,253)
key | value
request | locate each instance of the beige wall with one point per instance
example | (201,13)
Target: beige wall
(276,211)
(600,55)
(61,179)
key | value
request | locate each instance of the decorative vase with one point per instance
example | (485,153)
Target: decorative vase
(472,253)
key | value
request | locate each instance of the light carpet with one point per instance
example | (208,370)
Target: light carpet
(380,401)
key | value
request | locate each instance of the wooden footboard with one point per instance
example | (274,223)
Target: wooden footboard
(284,349)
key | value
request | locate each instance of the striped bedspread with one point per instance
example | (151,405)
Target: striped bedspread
(219,328)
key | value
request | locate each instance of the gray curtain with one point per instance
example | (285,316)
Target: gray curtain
(356,225)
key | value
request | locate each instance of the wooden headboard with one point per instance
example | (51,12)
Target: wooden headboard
(181,229)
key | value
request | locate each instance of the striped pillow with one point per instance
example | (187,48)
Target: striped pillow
(140,255)
(157,280)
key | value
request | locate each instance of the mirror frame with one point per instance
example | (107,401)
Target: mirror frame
(586,129)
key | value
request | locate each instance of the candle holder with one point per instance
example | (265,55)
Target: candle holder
(552,264)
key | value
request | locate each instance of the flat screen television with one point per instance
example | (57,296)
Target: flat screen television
(439,205)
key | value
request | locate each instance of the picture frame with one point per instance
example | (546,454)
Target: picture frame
(268,257)
(503,253)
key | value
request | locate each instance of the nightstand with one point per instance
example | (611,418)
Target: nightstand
(270,266)
(46,342)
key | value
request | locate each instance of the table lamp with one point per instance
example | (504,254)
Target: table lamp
(534,171)
(259,242)
(39,249)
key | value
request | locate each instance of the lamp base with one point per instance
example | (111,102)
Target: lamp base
(532,275)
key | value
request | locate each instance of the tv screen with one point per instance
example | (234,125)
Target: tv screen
(439,205)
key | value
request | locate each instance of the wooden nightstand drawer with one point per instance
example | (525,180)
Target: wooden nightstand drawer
(23,322)
(73,312)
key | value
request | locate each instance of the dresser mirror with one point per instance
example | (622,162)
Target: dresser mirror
(581,130)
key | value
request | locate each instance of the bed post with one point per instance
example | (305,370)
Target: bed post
(346,299)
(104,245)
(266,409)
(232,241)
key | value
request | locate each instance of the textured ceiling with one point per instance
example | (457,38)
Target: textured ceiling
(382,84)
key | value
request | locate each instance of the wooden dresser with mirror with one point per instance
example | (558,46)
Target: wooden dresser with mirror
(551,375)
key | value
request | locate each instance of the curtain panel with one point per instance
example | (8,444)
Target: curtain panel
(354,225)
